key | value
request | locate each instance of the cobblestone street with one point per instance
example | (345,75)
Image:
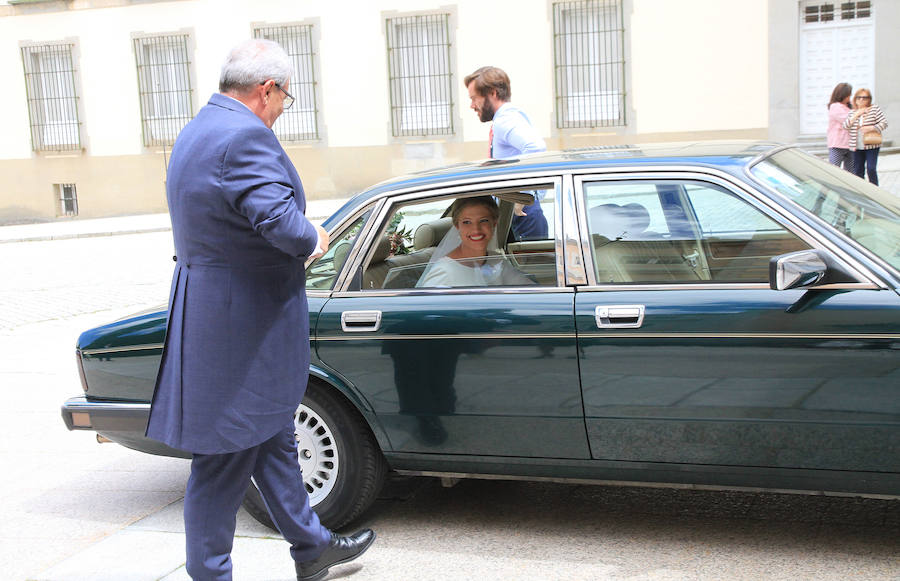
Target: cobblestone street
(62,491)
(60,279)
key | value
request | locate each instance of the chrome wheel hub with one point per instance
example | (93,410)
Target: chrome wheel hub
(317,453)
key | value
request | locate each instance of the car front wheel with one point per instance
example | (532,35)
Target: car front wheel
(343,468)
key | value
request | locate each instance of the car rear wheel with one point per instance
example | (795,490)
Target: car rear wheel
(343,468)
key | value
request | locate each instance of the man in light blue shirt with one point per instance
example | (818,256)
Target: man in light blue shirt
(512,134)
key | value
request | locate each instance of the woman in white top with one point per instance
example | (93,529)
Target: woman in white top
(866,120)
(470,263)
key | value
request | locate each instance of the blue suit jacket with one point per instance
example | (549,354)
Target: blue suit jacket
(236,358)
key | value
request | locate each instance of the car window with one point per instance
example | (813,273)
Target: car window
(727,215)
(534,221)
(322,273)
(622,194)
(420,247)
(856,208)
(664,231)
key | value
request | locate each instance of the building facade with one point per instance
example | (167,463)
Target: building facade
(98,89)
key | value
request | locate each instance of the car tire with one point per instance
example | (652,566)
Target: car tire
(343,467)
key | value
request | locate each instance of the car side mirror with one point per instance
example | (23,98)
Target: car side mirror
(806,269)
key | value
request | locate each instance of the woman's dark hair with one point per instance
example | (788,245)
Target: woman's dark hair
(486,201)
(840,92)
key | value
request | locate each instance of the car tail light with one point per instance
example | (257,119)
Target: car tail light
(80,364)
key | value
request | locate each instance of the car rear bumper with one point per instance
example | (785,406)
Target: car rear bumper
(120,421)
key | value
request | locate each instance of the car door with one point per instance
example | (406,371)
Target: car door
(488,370)
(689,357)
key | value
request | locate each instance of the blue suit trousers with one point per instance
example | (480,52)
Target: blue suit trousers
(214,493)
(533,225)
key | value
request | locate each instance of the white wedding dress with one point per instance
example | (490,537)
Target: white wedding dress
(495,271)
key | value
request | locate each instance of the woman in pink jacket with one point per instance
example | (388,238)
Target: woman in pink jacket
(839,153)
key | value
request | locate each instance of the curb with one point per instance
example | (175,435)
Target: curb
(97,234)
(49,237)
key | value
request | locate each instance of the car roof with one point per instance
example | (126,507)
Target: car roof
(730,156)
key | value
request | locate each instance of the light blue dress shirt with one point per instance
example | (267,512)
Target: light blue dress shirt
(514,134)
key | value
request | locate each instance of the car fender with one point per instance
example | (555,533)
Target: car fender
(329,377)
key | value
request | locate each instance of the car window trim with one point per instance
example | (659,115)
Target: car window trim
(373,205)
(447,190)
(725,180)
(702,285)
(571,259)
(457,290)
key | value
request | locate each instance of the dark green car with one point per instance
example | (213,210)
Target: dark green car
(722,315)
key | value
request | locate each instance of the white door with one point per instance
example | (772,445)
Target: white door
(837,44)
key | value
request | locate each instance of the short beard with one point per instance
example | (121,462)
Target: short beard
(487,112)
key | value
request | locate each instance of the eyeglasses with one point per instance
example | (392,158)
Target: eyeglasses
(288,98)
(863,97)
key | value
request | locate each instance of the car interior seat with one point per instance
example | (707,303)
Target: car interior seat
(403,270)
(625,251)
(341,251)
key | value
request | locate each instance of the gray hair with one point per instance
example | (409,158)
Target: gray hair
(253,62)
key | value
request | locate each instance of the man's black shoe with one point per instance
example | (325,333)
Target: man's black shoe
(339,550)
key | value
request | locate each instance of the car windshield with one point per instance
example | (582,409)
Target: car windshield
(862,211)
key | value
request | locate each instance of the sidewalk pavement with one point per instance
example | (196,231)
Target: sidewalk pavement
(316,210)
(889,172)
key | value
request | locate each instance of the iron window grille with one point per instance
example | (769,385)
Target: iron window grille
(67,199)
(856,10)
(52,99)
(419,75)
(164,86)
(589,63)
(818,11)
(300,122)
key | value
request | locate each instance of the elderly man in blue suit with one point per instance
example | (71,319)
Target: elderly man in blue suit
(236,359)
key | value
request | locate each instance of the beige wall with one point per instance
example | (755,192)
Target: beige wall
(694,70)
(700,65)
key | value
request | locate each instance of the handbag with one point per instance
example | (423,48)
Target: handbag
(872,138)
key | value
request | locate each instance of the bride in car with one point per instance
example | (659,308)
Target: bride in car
(463,257)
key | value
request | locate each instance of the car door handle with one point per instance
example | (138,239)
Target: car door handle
(619,316)
(360,321)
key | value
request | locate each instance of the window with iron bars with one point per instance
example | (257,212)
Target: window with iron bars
(816,11)
(589,63)
(419,75)
(67,199)
(164,85)
(300,122)
(52,99)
